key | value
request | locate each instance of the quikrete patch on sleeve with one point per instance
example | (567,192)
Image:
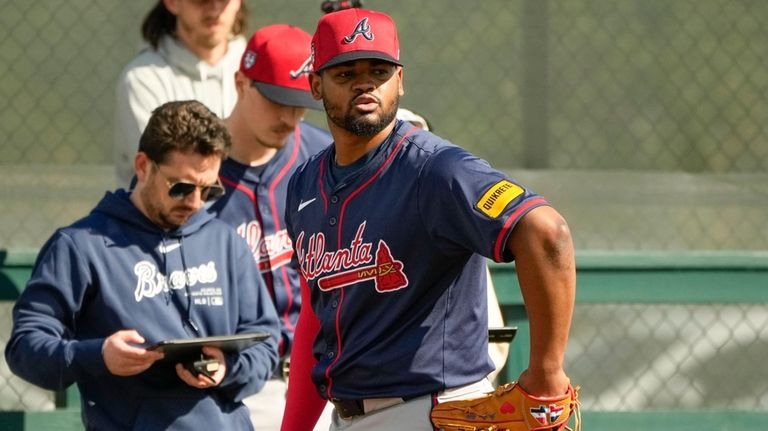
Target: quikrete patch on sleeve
(493,202)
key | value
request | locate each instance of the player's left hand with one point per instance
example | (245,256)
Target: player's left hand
(202,381)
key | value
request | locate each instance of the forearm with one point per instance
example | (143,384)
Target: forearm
(52,362)
(248,371)
(545,266)
(303,405)
(43,347)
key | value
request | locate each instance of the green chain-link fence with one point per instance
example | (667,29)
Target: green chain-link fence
(661,89)
(644,121)
(633,357)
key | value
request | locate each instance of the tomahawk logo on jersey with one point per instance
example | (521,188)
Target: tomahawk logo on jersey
(350,265)
(364,276)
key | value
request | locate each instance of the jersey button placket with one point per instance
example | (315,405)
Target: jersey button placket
(332,220)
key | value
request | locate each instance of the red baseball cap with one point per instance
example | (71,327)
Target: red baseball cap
(354,34)
(278,60)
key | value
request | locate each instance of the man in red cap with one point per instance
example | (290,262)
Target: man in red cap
(391,227)
(269,141)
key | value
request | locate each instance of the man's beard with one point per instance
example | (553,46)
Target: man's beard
(359,125)
(204,39)
(155,212)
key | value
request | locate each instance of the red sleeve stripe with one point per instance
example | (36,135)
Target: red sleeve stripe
(498,251)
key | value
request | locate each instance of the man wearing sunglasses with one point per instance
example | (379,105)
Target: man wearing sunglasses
(143,267)
(269,141)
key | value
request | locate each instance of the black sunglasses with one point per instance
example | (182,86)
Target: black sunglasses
(180,189)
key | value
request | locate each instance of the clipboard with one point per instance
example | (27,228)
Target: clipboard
(190,349)
(504,334)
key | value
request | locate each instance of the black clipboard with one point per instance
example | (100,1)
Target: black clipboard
(502,335)
(189,349)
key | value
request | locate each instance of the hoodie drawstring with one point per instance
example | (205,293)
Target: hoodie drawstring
(189,322)
(167,290)
(170,293)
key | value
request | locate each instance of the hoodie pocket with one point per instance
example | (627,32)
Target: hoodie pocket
(191,414)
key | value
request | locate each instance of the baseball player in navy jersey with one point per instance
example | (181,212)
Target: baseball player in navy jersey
(497,351)
(269,141)
(391,226)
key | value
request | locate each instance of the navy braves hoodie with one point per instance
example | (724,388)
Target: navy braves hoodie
(114,270)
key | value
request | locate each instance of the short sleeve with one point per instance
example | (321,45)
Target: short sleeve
(469,206)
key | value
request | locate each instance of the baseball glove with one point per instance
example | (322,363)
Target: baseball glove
(509,408)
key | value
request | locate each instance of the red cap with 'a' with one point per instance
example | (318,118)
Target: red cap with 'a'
(278,60)
(354,34)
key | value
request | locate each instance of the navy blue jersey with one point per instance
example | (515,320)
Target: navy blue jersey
(394,255)
(254,205)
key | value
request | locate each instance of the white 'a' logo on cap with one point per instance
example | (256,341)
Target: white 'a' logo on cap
(361,29)
(304,69)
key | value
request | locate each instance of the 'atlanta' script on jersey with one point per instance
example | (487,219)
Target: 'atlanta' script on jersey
(271,251)
(351,265)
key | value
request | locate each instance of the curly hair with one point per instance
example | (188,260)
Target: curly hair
(184,126)
(160,22)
